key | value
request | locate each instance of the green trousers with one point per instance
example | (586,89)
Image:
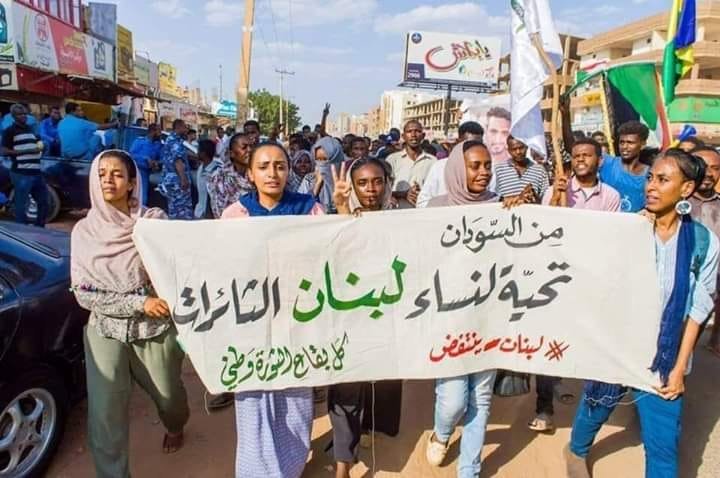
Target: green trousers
(111,366)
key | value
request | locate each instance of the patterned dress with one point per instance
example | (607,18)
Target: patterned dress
(179,200)
(225,186)
(273,428)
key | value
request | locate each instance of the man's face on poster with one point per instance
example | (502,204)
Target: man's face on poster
(498,130)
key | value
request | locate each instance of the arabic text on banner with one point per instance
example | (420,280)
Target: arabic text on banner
(272,303)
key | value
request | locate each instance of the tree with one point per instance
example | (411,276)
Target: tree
(267,110)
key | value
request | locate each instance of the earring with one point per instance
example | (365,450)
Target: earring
(683,207)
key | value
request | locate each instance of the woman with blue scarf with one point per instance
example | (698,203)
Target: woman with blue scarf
(273,428)
(687,264)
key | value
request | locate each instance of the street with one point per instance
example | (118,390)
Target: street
(511,450)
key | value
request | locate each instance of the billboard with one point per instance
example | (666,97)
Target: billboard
(7,45)
(101,21)
(45,43)
(167,79)
(125,55)
(452,58)
(142,71)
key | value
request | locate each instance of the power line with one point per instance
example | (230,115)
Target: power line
(292,33)
(277,38)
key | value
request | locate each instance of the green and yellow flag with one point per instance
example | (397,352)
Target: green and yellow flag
(679,58)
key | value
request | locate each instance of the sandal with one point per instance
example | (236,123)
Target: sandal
(172,442)
(543,423)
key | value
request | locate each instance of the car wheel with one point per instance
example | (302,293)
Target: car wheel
(32,419)
(53,206)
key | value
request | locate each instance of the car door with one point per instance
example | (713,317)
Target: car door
(9,315)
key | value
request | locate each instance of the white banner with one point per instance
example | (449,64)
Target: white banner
(272,303)
(452,58)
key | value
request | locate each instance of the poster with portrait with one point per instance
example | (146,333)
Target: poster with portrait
(493,114)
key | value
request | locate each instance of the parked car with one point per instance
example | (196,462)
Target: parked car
(41,346)
(67,181)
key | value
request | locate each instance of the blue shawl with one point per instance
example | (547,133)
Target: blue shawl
(673,317)
(291,204)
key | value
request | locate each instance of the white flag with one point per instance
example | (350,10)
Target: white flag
(528,72)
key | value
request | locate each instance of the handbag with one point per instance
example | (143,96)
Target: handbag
(511,384)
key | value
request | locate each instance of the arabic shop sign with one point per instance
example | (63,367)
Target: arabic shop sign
(450,291)
(450,58)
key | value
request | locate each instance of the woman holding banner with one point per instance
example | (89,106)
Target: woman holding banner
(273,428)
(129,336)
(467,177)
(365,187)
(687,264)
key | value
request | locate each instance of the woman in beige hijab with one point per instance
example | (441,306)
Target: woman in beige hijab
(130,336)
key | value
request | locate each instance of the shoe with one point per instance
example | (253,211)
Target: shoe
(542,423)
(435,451)
(218,402)
(575,466)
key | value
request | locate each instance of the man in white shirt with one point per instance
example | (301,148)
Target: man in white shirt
(435,182)
(410,166)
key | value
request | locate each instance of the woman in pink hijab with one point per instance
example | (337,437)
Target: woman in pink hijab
(130,336)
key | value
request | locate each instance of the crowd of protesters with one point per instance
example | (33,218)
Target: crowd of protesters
(131,336)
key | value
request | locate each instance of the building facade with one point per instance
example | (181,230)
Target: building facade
(431,114)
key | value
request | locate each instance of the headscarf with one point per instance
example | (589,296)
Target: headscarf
(334,152)
(103,253)
(387,195)
(458,193)
(294,179)
(291,204)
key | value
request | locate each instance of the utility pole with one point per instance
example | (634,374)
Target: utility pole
(282,74)
(243,90)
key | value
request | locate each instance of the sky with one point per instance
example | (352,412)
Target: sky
(344,52)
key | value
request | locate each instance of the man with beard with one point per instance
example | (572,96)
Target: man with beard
(410,166)
(498,130)
(706,209)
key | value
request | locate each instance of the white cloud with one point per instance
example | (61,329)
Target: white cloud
(170,8)
(464,17)
(222,13)
(307,13)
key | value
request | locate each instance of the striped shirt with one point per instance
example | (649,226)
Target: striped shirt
(511,183)
(21,138)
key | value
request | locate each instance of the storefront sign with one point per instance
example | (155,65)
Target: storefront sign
(8,76)
(45,43)
(168,79)
(125,55)
(142,71)
(101,21)
(695,109)
(7,45)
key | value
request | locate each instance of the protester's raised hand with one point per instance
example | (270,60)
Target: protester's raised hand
(319,181)
(156,308)
(342,191)
(326,110)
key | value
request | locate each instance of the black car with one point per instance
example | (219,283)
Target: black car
(41,346)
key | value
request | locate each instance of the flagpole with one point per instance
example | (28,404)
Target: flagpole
(554,120)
